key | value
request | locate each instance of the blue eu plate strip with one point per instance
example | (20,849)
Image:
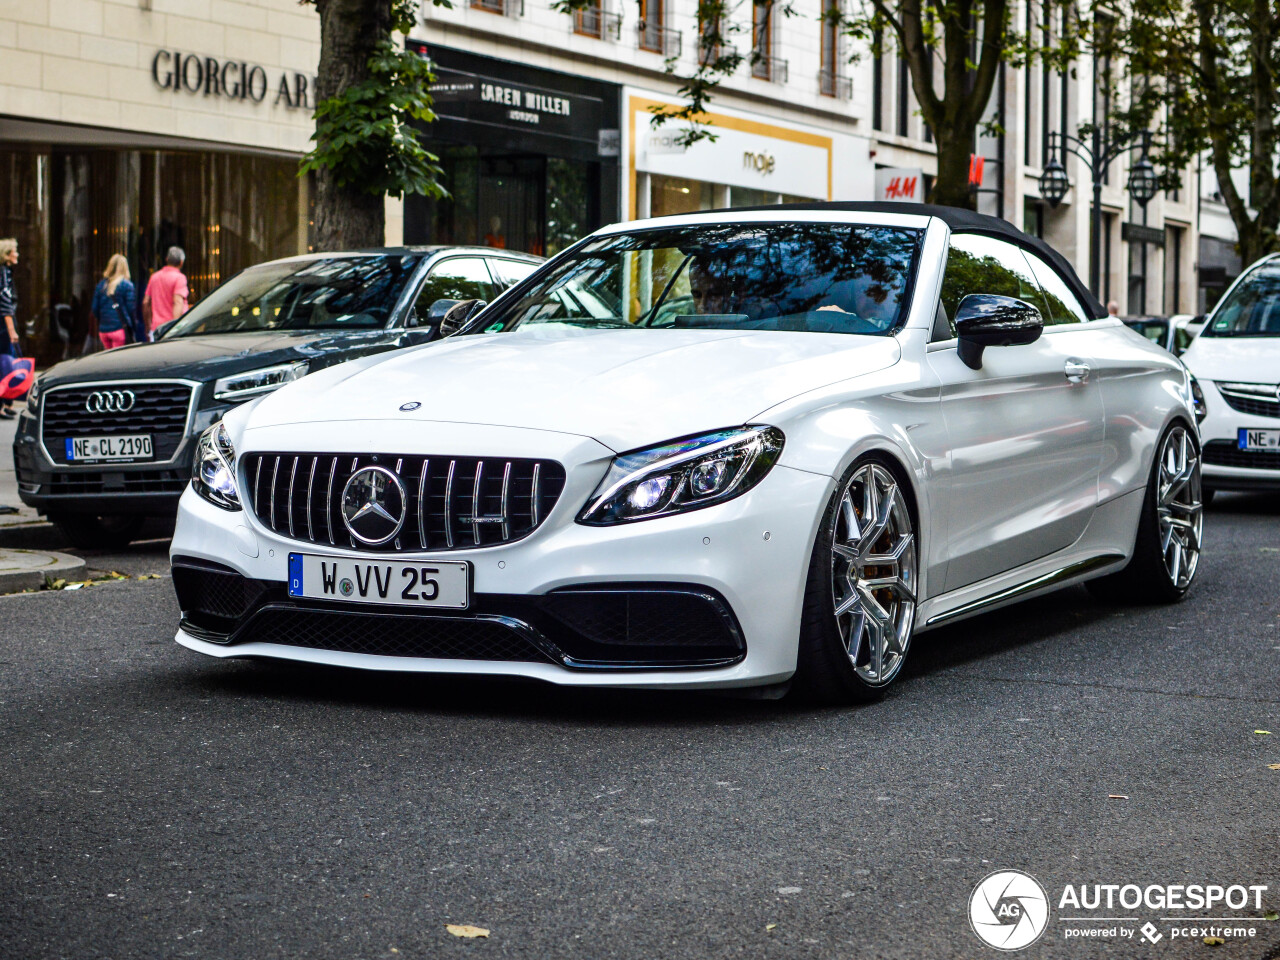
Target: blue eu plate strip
(295,574)
(70,449)
(1241,442)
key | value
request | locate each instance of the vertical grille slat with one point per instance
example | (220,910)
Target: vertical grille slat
(452,503)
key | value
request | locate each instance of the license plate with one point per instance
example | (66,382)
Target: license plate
(1248,439)
(405,583)
(134,446)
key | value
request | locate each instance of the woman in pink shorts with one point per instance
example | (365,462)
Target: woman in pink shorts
(114,303)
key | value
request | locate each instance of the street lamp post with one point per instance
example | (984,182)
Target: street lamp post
(1097,156)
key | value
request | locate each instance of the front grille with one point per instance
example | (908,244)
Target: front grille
(1249,403)
(134,481)
(630,617)
(1225,453)
(452,503)
(159,409)
(390,635)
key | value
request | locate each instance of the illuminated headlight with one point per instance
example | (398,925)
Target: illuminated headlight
(251,383)
(683,475)
(214,473)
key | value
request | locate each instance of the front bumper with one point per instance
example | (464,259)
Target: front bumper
(1224,465)
(712,598)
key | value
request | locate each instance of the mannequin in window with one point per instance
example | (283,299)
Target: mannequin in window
(494,237)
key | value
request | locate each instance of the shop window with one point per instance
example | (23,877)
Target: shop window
(672,195)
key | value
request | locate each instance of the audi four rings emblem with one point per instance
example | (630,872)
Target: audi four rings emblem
(110,401)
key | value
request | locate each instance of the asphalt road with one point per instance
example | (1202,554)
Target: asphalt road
(157,804)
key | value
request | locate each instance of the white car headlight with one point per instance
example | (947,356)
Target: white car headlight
(213,474)
(251,383)
(683,475)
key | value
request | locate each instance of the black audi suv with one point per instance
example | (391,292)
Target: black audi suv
(107,439)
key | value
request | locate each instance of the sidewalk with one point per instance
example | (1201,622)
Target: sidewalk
(25,569)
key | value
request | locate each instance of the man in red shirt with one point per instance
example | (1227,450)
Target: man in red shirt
(167,291)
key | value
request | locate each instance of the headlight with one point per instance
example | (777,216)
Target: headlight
(1197,401)
(214,473)
(33,398)
(683,475)
(251,383)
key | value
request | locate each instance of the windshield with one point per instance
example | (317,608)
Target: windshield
(815,277)
(1252,309)
(339,293)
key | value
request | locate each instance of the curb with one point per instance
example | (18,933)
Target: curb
(27,569)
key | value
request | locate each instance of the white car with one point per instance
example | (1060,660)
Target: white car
(1236,359)
(796,438)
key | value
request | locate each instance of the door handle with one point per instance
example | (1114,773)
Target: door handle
(1077,371)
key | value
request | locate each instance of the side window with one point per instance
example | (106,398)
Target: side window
(1061,302)
(977,264)
(458,278)
(507,273)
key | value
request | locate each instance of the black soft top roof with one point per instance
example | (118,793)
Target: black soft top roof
(960,221)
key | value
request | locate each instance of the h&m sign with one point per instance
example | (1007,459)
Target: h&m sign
(229,79)
(903,184)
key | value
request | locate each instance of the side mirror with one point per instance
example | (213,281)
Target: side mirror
(159,332)
(449,316)
(988,320)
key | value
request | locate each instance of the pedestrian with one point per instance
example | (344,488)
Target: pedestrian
(1113,308)
(167,292)
(8,310)
(114,303)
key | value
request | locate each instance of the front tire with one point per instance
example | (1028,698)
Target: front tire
(89,532)
(1166,550)
(860,596)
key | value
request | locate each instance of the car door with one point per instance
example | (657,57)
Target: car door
(1025,430)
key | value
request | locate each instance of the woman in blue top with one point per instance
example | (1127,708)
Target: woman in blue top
(115,304)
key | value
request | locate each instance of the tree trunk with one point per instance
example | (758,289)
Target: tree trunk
(951,188)
(347,217)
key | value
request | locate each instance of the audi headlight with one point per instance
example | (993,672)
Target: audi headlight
(33,398)
(214,473)
(252,383)
(683,475)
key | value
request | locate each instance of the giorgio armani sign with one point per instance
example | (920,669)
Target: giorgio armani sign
(194,74)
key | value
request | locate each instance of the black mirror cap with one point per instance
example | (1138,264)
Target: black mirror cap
(456,316)
(989,320)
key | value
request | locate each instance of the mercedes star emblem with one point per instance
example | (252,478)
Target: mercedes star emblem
(373,505)
(411,405)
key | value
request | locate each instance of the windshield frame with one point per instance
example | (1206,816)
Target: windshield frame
(478,325)
(395,316)
(1241,281)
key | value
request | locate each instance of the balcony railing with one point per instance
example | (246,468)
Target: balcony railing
(658,39)
(773,69)
(594,22)
(831,84)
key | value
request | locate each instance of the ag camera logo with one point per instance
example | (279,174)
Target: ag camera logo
(1009,910)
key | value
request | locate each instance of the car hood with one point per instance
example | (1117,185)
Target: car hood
(623,388)
(1238,359)
(210,357)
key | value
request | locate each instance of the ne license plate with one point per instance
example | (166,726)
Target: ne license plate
(134,446)
(406,583)
(1248,439)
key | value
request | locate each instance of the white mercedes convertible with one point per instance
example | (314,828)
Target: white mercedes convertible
(735,449)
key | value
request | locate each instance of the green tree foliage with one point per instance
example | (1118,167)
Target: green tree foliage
(1203,74)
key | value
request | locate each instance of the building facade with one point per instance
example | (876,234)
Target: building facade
(130,127)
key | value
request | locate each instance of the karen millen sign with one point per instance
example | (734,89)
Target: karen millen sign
(229,79)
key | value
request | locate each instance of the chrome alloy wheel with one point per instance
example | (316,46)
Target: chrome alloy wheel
(873,574)
(1179,506)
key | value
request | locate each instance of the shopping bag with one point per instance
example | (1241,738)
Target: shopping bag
(16,376)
